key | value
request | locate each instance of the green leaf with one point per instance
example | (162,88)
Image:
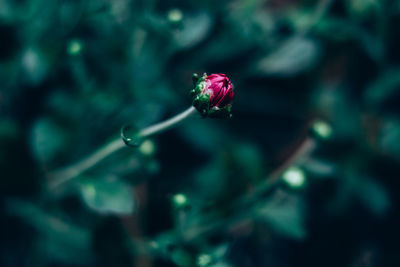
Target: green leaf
(107,195)
(35,65)
(341,30)
(285,218)
(47,139)
(363,8)
(383,87)
(194,30)
(389,136)
(374,196)
(295,55)
(58,239)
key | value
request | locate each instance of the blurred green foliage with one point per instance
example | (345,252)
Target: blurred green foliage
(306,173)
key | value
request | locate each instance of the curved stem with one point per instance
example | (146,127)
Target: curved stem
(65,174)
(165,125)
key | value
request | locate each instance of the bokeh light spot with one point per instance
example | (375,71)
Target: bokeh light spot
(322,129)
(294,177)
(175,15)
(203,260)
(74,47)
(179,200)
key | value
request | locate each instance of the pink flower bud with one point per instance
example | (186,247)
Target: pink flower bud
(220,90)
(213,95)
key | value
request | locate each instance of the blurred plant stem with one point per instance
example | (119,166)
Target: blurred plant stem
(65,174)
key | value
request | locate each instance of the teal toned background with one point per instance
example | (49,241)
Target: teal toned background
(306,173)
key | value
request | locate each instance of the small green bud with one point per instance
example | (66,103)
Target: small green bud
(322,129)
(195,78)
(74,47)
(175,16)
(203,260)
(180,200)
(294,177)
(147,148)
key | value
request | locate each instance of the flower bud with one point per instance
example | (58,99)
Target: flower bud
(213,95)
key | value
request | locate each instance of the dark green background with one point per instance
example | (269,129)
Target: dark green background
(73,72)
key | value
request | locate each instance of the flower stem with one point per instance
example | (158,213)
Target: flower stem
(63,175)
(165,125)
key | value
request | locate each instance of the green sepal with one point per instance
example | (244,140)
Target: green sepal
(202,103)
(200,84)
